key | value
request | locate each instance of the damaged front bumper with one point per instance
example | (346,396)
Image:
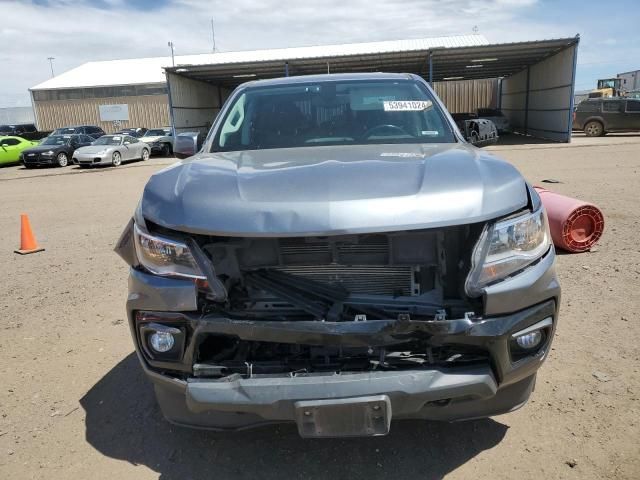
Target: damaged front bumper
(320,402)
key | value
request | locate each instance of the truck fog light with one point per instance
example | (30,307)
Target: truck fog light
(161,342)
(529,340)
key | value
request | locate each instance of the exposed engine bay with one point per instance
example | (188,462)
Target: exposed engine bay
(404,277)
(341,278)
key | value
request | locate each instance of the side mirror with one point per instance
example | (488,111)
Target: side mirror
(480,132)
(187,144)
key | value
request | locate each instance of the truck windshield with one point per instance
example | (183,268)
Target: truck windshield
(65,131)
(332,113)
(156,133)
(56,140)
(108,140)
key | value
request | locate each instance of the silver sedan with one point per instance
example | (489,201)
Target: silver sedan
(112,150)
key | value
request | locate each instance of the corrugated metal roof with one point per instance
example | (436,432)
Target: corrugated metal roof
(150,70)
(449,63)
(323,51)
(495,60)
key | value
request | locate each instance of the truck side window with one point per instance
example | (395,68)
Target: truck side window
(611,106)
(633,106)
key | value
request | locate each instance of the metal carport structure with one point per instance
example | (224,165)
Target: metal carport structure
(535,80)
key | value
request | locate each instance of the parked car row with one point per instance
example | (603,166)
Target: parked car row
(83,150)
(54,150)
(84,145)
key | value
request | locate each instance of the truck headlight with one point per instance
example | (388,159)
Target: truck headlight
(507,247)
(165,257)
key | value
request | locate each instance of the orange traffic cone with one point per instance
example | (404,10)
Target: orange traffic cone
(28,242)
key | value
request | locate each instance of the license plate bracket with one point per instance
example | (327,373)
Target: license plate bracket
(344,417)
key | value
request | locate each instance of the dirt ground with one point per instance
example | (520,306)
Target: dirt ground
(75,405)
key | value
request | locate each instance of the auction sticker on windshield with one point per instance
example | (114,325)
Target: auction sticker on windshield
(407,105)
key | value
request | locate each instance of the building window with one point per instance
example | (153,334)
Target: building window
(151,90)
(69,94)
(99,92)
(125,91)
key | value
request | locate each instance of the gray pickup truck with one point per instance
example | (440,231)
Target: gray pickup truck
(337,255)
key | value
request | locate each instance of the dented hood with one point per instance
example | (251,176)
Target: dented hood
(333,190)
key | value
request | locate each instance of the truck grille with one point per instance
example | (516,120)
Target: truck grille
(362,279)
(370,249)
(385,264)
(359,265)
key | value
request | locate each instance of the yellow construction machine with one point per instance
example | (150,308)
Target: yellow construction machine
(607,87)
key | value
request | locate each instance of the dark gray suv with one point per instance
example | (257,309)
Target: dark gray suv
(598,116)
(337,255)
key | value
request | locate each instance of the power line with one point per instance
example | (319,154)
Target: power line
(213,37)
(173,61)
(51,59)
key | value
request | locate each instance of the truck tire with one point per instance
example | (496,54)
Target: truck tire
(594,129)
(62,159)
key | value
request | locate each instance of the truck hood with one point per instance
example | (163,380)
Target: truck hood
(92,149)
(44,148)
(332,190)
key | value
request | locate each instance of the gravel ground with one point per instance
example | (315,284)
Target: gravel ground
(74,403)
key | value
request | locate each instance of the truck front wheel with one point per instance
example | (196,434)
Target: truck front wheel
(594,129)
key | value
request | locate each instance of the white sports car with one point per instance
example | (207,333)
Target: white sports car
(113,150)
(160,140)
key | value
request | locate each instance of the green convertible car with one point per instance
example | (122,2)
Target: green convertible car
(12,147)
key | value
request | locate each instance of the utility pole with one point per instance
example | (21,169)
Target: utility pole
(51,59)
(213,36)
(173,61)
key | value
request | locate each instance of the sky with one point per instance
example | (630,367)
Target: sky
(78,31)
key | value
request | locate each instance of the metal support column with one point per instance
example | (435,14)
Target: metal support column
(35,111)
(573,87)
(286,69)
(526,107)
(431,69)
(173,123)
